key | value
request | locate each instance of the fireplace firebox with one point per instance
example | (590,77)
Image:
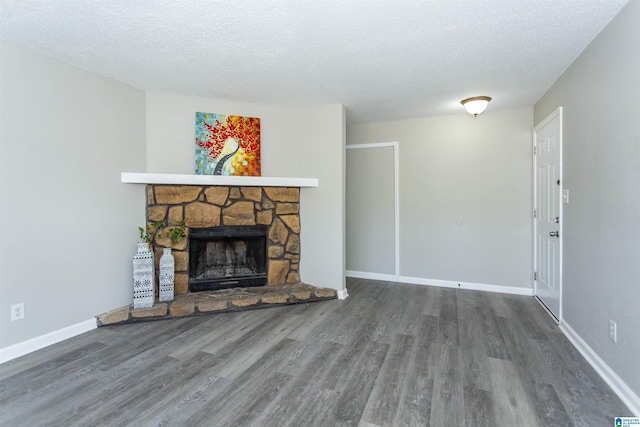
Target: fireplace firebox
(227,257)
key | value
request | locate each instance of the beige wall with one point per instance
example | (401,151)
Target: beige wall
(64,177)
(305,143)
(171,131)
(322,209)
(465,195)
(600,96)
(68,225)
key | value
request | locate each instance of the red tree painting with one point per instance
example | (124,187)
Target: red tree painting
(227,145)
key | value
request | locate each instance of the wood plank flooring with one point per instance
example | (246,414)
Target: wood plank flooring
(389,355)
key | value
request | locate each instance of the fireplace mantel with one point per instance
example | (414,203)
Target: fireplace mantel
(238,181)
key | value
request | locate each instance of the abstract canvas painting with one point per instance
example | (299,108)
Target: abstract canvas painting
(227,145)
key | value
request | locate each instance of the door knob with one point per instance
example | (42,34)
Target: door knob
(556,219)
(554,234)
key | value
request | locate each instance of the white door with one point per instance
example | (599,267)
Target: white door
(547,143)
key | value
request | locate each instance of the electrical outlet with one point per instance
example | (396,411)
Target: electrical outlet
(17,312)
(613,331)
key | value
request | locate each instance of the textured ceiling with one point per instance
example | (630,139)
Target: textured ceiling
(383,59)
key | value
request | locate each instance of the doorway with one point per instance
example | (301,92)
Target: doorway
(372,211)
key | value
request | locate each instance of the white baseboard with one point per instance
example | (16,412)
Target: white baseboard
(528,291)
(371,276)
(26,347)
(623,391)
(343,293)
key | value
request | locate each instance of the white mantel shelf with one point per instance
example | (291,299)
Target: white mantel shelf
(239,181)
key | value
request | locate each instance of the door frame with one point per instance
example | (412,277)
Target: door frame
(556,113)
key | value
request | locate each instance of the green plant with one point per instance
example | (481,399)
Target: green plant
(177,232)
(148,233)
(174,233)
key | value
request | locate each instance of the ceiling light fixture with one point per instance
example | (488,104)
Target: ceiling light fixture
(475,105)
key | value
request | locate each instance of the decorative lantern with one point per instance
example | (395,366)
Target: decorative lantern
(143,277)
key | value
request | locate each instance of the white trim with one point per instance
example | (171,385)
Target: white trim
(26,347)
(372,145)
(553,316)
(534,214)
(396,201)
(372,276)
(396,197)
(513,290)
(468,285)
(616,383)
(561,213)
(343,293)
(241,181)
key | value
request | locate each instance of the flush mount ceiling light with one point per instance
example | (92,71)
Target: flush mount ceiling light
(475,105)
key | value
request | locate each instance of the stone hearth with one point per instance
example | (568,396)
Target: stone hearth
(202,303)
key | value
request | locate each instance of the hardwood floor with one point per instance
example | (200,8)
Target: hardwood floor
(389,355)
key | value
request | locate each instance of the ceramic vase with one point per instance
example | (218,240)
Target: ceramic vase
(167,268)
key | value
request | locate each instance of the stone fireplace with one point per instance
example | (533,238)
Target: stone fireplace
(226,211)
(227,257)
(226,207)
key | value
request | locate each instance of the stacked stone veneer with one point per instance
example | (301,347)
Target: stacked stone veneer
(278,208)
